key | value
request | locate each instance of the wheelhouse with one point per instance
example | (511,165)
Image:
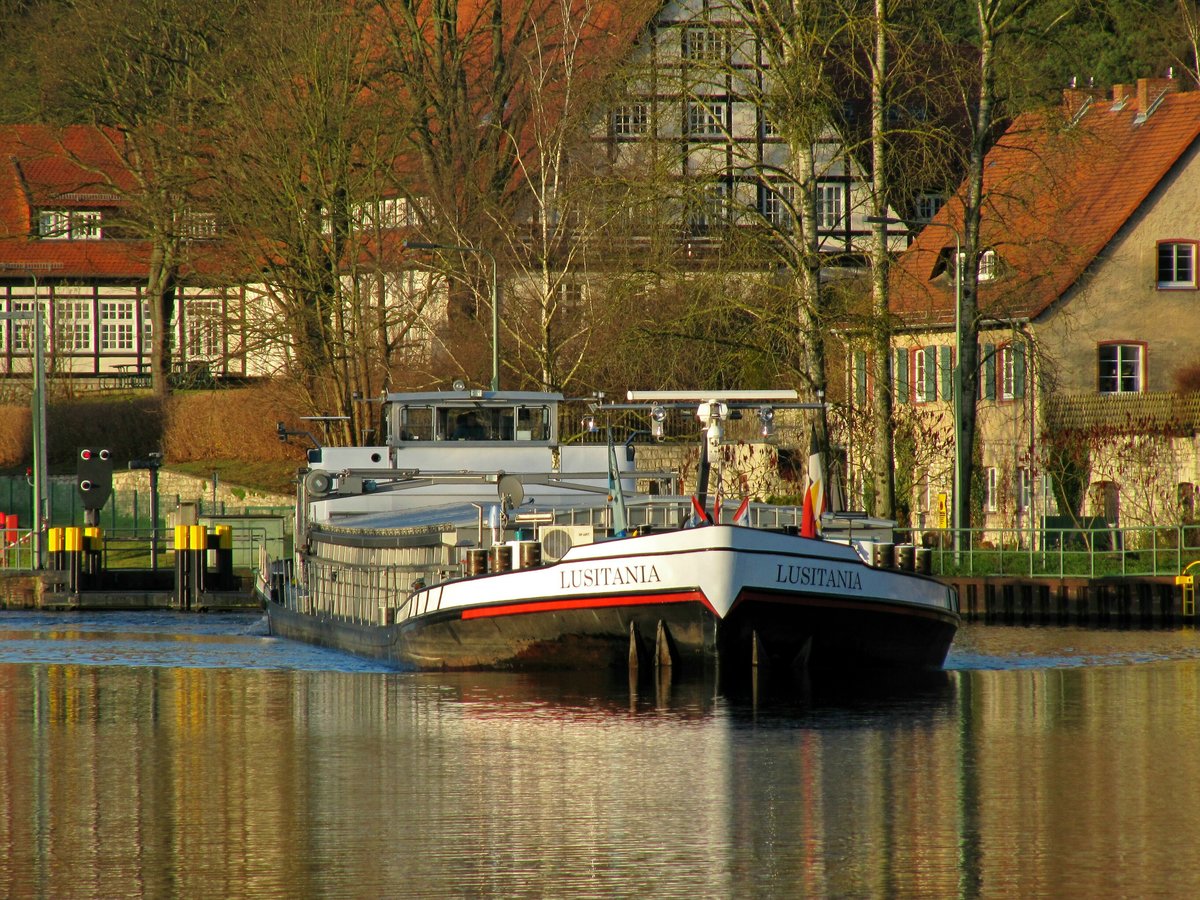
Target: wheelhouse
(512,417)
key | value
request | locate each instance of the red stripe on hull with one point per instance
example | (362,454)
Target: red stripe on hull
(515,609)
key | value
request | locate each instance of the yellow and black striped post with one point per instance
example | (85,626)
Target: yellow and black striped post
(198,551)
(54,547)
(93,543)
(224,557)
(182,595)
(73,547)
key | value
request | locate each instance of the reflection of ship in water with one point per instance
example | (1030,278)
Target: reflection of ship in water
(1025,782)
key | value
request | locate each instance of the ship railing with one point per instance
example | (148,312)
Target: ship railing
(363,593)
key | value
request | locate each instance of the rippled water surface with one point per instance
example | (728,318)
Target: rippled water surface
(196,756)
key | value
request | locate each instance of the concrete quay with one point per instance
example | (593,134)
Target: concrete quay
(1147,601)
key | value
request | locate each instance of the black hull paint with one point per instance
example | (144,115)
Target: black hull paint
(779,630)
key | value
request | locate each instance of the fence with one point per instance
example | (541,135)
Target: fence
(1062,552)
(125,509)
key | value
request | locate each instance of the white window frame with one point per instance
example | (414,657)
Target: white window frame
(704,43)
(1008,373)
(992,495)
(710,208)
(928,205)
(987,265)
(54,225)
(1024,493)
(920,395)
(570,295)
(631,120)
(778,203)
(205,328)
(829,201)
(1180,265)
(73,326)
(705,120)
(1127,367)
(117,326)
(22,329)
(70,225)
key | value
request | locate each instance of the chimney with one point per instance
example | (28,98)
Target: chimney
(1150,89)
(1121,93)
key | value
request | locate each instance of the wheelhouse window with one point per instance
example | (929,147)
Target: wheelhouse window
(1177,265)
(1122,368)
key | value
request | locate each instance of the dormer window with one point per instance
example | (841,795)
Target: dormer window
(1177,265)
(987,265)
(198,225)
(69,225)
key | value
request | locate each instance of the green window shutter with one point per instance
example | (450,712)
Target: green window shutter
(1018,352)
(901,375)
(860,376)
(947,371)
(989,372)
(930,373)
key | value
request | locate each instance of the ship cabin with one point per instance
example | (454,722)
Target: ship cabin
(474,416)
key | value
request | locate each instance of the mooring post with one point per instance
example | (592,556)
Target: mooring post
(181,566)
(634,650)
(662,647)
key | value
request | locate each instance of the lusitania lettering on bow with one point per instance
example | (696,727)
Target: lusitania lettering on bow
(608,576)
(818,577)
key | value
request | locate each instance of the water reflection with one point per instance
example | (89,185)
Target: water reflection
(211,779)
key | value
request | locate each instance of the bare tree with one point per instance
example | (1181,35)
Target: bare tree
(996,22)
(305,157)
(152,85)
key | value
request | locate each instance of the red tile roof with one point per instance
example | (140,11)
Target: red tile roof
(70,168)
(1057,192)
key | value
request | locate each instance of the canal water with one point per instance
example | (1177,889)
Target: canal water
(196,756)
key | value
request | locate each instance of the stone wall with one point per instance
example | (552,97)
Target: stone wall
(188,487)
(748,468)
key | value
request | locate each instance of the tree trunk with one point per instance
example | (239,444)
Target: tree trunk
(883,460)
(968,271)
(160,297)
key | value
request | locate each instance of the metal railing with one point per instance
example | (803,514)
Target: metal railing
(130,548)
(1062,552)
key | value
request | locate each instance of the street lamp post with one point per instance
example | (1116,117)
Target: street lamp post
(37,407)
(480,251)
(960,448)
